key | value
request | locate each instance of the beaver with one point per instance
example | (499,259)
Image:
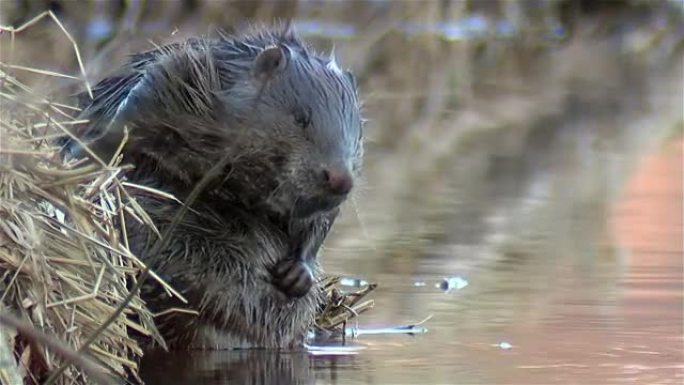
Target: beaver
(245,255)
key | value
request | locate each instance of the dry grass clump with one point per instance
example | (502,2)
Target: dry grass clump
(342,306)
(64,262)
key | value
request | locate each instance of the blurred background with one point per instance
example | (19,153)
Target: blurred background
(531,151)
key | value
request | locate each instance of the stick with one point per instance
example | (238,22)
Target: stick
(69,355)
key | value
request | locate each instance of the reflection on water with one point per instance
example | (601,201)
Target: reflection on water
(246,367)
(570,242)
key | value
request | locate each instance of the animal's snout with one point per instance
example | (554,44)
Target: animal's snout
(338,180)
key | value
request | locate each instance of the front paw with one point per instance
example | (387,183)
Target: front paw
(293,277)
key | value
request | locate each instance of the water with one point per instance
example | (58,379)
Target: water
(570,245)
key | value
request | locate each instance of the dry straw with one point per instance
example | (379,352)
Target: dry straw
(64,262)
(68,299)
(342,306)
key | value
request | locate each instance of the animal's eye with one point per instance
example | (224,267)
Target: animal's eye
(303,117)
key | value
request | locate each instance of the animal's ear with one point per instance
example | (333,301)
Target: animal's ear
(269,62)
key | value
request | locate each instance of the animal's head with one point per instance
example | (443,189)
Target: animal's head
(289,120)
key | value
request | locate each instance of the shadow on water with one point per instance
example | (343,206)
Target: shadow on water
(249,367)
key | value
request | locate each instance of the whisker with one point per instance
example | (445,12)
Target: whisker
(362,225)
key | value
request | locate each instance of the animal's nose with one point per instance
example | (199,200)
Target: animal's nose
(339,180)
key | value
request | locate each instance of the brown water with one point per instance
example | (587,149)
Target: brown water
(571,244)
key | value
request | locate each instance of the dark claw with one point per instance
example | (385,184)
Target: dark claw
(293,278)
